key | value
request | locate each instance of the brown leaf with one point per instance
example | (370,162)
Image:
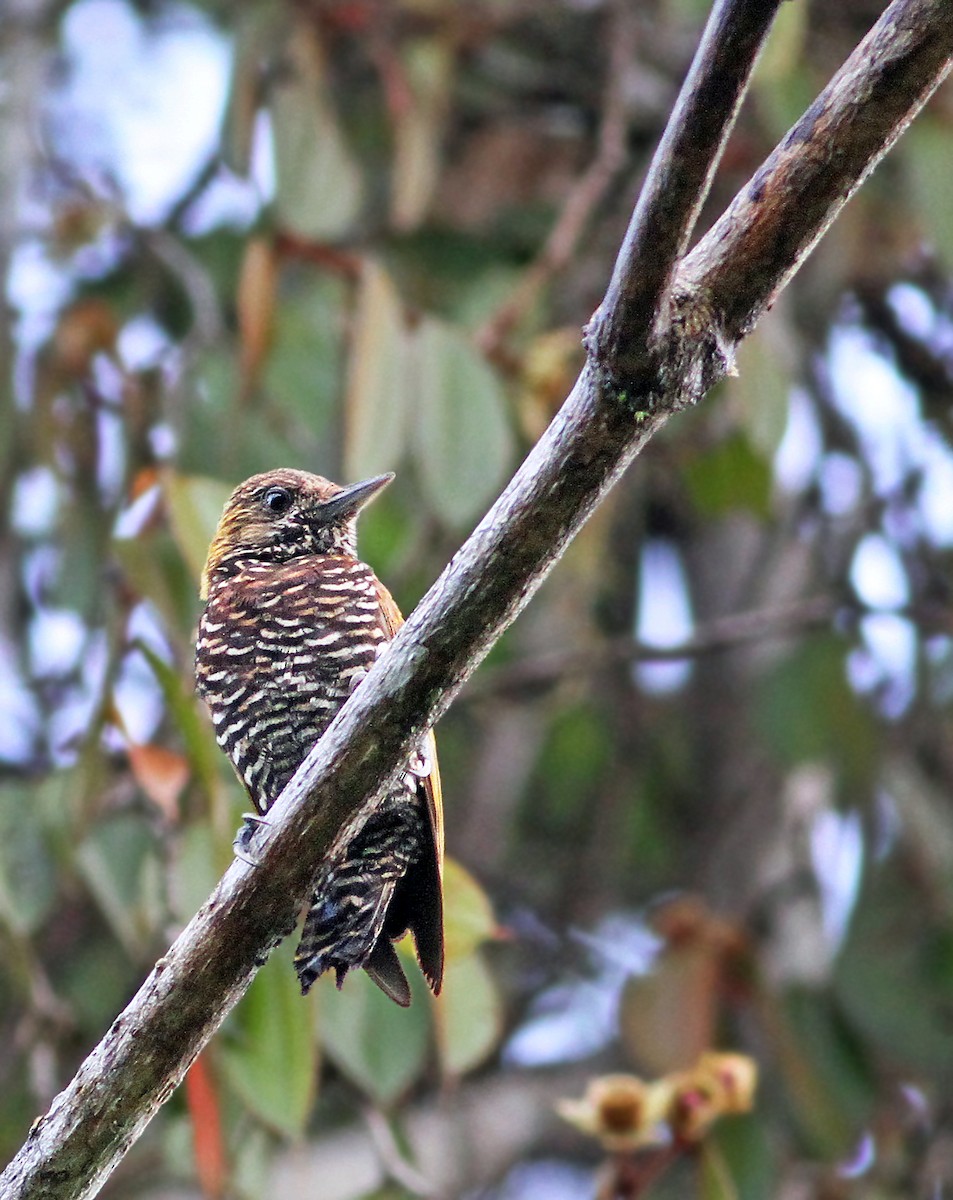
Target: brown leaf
(257,283)
(86,328)
(668,1018)
(162,774)
(202,1101)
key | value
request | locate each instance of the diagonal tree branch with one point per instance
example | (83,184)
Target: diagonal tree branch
(732,275)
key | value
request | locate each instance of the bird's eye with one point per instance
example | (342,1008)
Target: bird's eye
(277,500)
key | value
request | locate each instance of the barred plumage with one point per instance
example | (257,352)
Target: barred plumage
(293,621)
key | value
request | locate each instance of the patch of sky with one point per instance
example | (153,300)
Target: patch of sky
(861,1160)
(142,101)
(136,693)
(914,310)
(575,1019)
(138,698)
(40,569)
(881,405)
(877,574)
(19,715)
(837,856)
(797,456)
(885,411)
(232,200)
(57,637)
(111,459)
(888,825)
(663,616)
(885,663)
(841,483)
(935,495)
(35,503)
(37,289)
(143,344)
(551,1178)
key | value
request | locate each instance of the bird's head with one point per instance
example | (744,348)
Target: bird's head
(287,514)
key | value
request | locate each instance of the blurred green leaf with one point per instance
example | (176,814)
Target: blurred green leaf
(155,569)
(806,710)
(200,746)
(667,1017)
(926,149)
(904,1012)
(463,441)
(694,11)
(318,185)
(270,1056)
(729,477)
(27,870)
(469,1015)
(826,1080)
(119,866)
(428,66)
(96,979)
(194,504)
(714,1177)
(762,386)
(468,914)
(378,1045)
(198,864)
(747,1153)
(578,747)
(783,50)
(302,376)
(256,34)
(379,378)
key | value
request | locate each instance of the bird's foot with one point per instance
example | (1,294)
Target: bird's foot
(356,679)
(243,838)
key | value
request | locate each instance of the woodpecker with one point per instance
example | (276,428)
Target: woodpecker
(292,623)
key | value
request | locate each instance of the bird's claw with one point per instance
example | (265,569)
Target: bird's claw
(243,837)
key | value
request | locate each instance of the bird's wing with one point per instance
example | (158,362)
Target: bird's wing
(431,781)
(425,911)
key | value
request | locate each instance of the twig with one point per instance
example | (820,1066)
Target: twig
(191,275)
(583,197)
(204,177)
(715,636)
(755,247)
(321,255)
(596,434)
(394,1162)
(677,185)
(629,1176)
(722,633)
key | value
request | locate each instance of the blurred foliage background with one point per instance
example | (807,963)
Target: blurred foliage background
(699,796)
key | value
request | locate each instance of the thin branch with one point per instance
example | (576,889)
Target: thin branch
(678,181)
(714,637)
(583,197)
(774,222)
(598,432)
(719,634)
(392,1159)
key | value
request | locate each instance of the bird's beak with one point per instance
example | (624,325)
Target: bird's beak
(350,502)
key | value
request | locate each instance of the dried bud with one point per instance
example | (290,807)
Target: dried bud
(736,1076)
(620,1110)
(720,1084)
